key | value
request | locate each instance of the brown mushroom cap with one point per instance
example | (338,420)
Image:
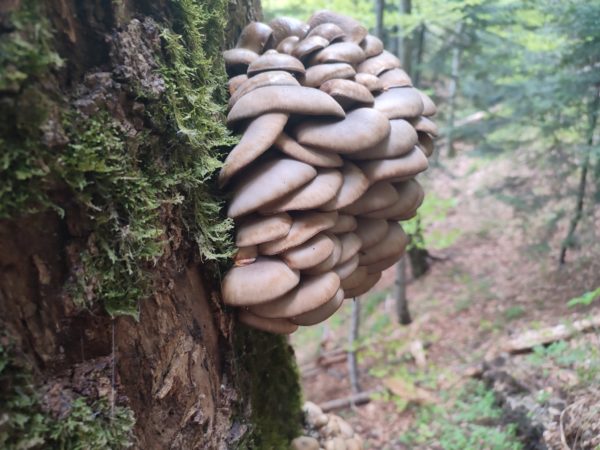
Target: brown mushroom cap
(351,244)
(399,103)
(308,45)
(348,93)
(264,280)
(271,78)
(344,224)
(238,59)
(312,252)
(313,194)
(380,195)
(371,82)
(354,31)
(426,144)
(256,139)
(288,44)
(308,155)
(311,292)
(321,313)
(365,287)
(287,99)
(235,82)
(245,255)
(355,184)
(277,326)
(305,226)
(402,140)
(255,36)
(395,78)
(273,60)
(371,45)
(362,128)
(424,125)
(371,231)
(258,229)
(410,195)
(330,261)
(356,278)
(266,182)
(393,243)
(429,108)
(345,269)
(287,26)
(379,64)
(329,31)
(383,264)
(340,52)
(315,76)
(401,168)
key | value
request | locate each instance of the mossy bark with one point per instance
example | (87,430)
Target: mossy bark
(112,239)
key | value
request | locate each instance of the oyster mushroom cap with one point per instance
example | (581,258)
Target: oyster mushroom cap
(245,255)
(376,65)
(340,52)
(371,45)
(354,31)
(288,44)
(410,195)
(256,139)
(264,280)
(399,103)
(365,287)
(330,261)
(313,194)
(235,82)
(314,251)
(396,169)
(424,125)
(355,184)
(311,292)
(329,31)
(429,108)
(308,45)
(267,182)
(320,313)
(237,60)
(402,140)
(258,229)
(383,264)
(356,278)
(426,143)
(270,78)
(345,269)
(371,82)
(393,243)
(395,78)
(311,156)
(276,326)
(344,224)
(286,99)
(287,26)
(379,196)
(348,93)
(305,225)
(315,76)
(273,60)
(370,231)
(362,128)
(255,36)
(351,244)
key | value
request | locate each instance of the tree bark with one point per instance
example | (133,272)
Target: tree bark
(453,91)
(379,14)
(407,44)
(192,377)
(402,311)
(352,344)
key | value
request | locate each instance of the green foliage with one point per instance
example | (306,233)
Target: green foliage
(268,378)
(586,299)
(514,312)
(25,424)
(433,211)
(472,421)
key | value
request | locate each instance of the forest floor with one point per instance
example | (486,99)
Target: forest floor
(445,381)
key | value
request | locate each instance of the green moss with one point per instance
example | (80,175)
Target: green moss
(268,377)
(84,423)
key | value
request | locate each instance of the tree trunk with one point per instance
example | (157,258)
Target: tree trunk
(407,44)
(352,344)
(419,56)
(453,91)
(402,311)
(379,12)
(111,236)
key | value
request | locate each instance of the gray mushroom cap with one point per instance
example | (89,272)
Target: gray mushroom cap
(287,26)
(311,292)
(354,31)
(345,269)
(309,254)
(401,140)
(267,182)
(395,78)
(312,156)
(320,313)
(429,108)
(264,280)
(351,244)
(270,78)
(371,45)
(340,52)
(371,231)
(344,224)
(383,264)
(235,82)
(255,230)
(425,125)
(379,64)
(379,195)
(348,93)
(238,59)
(288,44)
(255,36)
(355,279)
(277,326)
(315,76)
(396,169)
(365,287)
(393,243)
(355,184)
(426,144)
(329,31)
(309,45)
(410,197)
(399,103)
(331,260)
(371,82)
(273,60)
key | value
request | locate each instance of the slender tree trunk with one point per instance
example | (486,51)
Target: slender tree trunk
(453,91)
(579,202)
(407,44)
(379,13)
(419,57)
(352,344)
(402,311)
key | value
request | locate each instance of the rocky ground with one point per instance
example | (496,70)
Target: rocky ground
(446,381)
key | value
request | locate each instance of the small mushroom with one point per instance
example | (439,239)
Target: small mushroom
(258,229)
(345,269)
(288,44)
(396,169)
(379,64)
(287,99)
(371,45)
(348,93)
(429,108)
(424,125)
(354,31)
(402,140)
(410,195)
(312,292)
(271,78)
(311,156)
(426,144)
(370,231)
(340,52)
(393,243)
(245,255)
(355,279)
(264,280)
(305,443)
(371,82)
(235,82)
(355,184)
(255,36)
(320,313)
(315,76)
(308,45)
(399,103)
(380,195)
(267,182)
(383,264)
(351,244)
(273,60)
(362,128)
(237,60)
(329,31)
(277,326)
(395,78)
(309,254)
(331,261)
(305,226)
(365,287)
(344,224)
(287,26)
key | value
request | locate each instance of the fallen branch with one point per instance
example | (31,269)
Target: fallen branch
(356,399)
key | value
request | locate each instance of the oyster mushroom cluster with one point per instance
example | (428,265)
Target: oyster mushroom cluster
(332,136)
